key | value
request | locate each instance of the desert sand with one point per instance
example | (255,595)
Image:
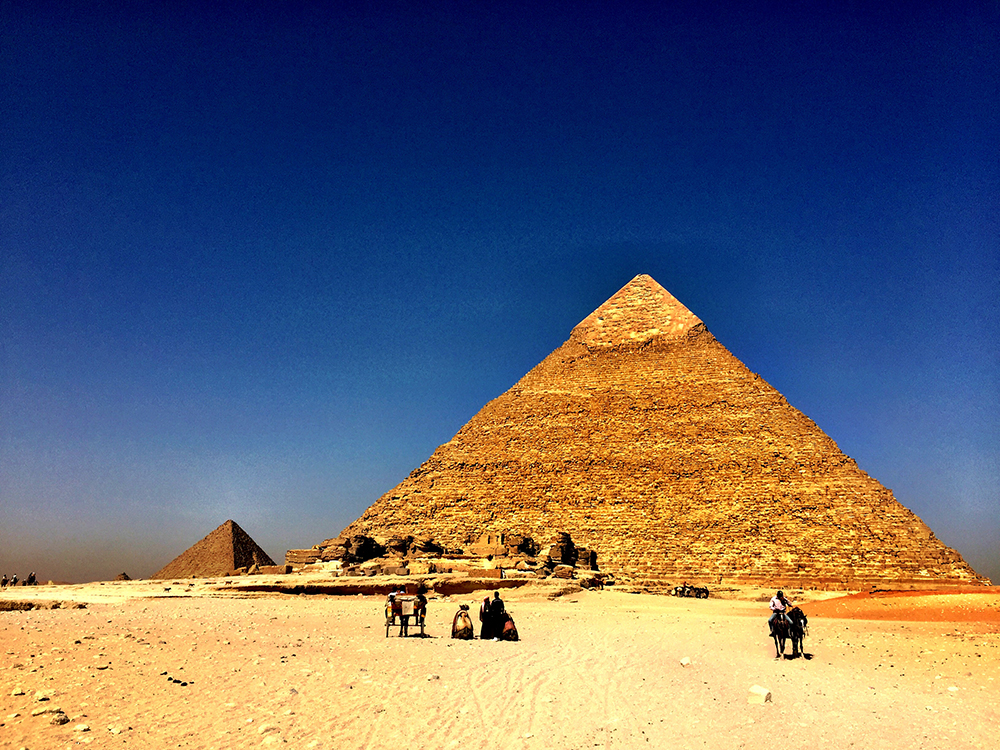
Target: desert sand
(142,666)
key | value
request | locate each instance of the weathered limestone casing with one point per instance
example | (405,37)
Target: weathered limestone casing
(652,445)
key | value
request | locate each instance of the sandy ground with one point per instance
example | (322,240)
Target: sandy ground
(594,669)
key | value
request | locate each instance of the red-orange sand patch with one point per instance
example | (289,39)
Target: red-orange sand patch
(965,605)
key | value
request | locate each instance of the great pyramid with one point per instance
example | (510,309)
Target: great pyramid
(227,548)
(649,442)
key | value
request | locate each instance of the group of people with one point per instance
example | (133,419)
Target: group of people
(498,625)
(496,622)
(29,581)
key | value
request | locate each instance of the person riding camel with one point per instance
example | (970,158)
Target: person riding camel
(779,608)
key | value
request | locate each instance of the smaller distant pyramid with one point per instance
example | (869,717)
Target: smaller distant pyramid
(227,548)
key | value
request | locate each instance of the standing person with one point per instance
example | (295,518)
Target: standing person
(779,605)
(420,609)
(3,581)
(497,612)
(486,632)
(390,608)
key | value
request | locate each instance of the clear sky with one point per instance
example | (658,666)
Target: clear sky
(258,260)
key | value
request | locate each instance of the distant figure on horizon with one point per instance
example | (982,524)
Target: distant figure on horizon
(31,579)
(3,581)
(13,580)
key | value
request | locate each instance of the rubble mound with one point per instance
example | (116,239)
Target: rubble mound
(495,556)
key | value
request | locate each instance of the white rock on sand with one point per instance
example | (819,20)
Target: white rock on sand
(592,669)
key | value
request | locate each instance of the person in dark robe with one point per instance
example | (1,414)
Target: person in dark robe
(486,632)
(497,612)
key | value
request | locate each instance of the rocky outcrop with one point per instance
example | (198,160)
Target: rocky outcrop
(502,545)
(347,550)
(491,556)
(655,448)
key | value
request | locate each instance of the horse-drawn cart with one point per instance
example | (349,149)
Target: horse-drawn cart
(400,608)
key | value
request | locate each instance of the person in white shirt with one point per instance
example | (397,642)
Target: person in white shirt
(779,607)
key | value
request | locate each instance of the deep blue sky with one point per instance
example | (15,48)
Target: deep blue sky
(258,260)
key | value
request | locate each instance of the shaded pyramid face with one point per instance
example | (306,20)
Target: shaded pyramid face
(227,548)
(649,442)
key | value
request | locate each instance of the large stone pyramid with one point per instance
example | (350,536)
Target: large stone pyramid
(649,442)
(227,548)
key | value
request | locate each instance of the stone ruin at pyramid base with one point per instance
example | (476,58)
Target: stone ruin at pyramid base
(492,556)
(496,556)
(651,445)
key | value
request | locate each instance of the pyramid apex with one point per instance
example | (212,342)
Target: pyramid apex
(639,311)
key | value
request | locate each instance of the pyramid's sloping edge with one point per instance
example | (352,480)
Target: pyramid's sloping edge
(221,551)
